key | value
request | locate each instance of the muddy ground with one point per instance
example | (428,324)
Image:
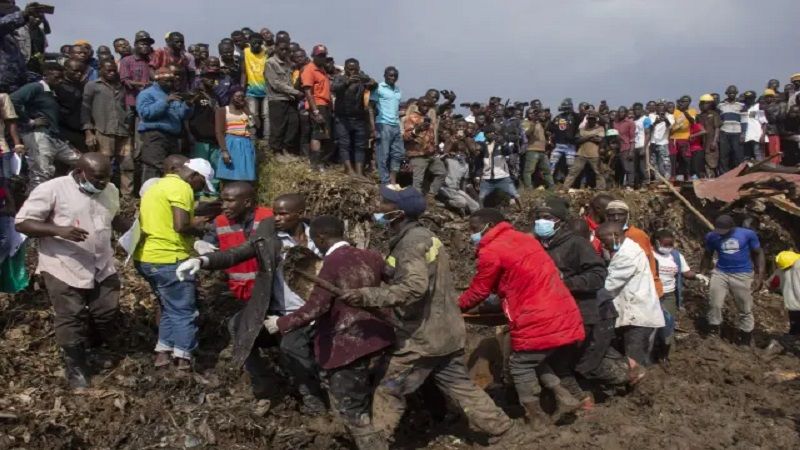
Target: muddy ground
(714,395)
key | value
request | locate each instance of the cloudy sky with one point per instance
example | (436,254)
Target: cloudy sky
(619,50)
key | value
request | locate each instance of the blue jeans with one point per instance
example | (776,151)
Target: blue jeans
(659,159)
(502,184)
(389,151)
(177,330)
(567,151)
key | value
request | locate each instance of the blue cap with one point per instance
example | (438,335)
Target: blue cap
(408,200)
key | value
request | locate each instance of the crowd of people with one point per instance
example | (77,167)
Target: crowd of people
(591,301)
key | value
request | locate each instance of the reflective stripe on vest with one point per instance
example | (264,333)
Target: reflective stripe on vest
(241,277)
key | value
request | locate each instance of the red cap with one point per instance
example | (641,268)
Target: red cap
(318,50)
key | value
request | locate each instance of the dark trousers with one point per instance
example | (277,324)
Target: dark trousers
(353,138)
(351,388)
(637,342)
(284,125)
(155,147)
(794,323)
(598,360)
(75,308)
(699,163)
(731,153)
(639,166)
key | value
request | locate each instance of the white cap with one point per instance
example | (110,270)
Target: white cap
(204,168)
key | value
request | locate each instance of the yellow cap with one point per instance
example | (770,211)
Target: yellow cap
(82,42)
(796,77)
(706,98)
(786,259)
(769,93)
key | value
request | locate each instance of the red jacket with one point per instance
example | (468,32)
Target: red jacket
(540,309)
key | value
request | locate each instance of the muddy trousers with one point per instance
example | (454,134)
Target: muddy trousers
(408,371)
(75,308)
(637,342)
(529,368)
(739,285)
(350,390)
(598,361)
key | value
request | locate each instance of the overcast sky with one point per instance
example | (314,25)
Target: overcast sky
(618,50)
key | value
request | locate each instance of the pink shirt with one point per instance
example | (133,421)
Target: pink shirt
(60,202)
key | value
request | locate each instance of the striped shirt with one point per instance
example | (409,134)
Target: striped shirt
(731,115)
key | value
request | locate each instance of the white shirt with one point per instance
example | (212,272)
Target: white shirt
(284,299)
(336,246)
(500,166)
(755,120)
(668,270)
(631,283)
(638,142)
(470,118)
(661,131)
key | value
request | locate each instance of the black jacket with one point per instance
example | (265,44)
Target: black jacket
(263,246)
(582,270)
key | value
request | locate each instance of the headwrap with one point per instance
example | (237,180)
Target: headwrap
(617,204)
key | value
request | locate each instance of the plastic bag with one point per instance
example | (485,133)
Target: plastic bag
(13,273)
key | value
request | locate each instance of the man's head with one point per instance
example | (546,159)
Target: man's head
(198,173)
(638,110)
(80,53)
(104,50)
(209,76)
(122,47)
(352,67)
(256,43)
(750,98)
(391,75)
(610,235)
(73,70)
(549,216)
(93,172)
(398,205)
(282,51)
(795,79)
(165,79)
(566,105)
(773,84)
(731,92)
(536,104)
(238,198)
(661,107)
(684,102)
(108,72)
(592,117)
(769,96)
(299,58)
(238,39)
(326,231)
(173,163)
(622,113)
(596,209)
(226,53)
(670,107)
(433,95)
(202,52)
(320,55)
(482,221)
(288,210)
(175,41)
(143,44)
(724,224)
(664,241)
(424,105)
(618,212)
(269,38)
(283,36)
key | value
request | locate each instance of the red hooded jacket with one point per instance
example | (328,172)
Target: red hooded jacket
(540,309)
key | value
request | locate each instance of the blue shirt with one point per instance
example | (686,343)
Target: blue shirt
(387,99)
(733,250)
(159,114)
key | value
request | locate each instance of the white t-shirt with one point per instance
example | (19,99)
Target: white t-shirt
(642,123)
(661,131)
(755,120)
(668,270)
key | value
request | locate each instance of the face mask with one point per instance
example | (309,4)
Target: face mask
(616,246)
(381,220)
(544,228)
(89,188)
(476,237)
(664,250)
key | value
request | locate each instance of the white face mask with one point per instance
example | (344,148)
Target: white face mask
(664,250)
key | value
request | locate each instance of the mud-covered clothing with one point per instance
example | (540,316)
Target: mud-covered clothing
(351,388)
(426,315)
(344,333)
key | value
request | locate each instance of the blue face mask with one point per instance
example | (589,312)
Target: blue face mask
(381,220)
(544,228)
(616,246)
(88,187)
(476,237)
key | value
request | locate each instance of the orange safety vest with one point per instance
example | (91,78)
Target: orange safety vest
(241,277)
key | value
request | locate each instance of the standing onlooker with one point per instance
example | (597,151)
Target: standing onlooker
(168,224)
(754,121)
(69,96)
(644,131)
(317,87)
(772,112)
(697,160)
(122,48)
(535,154)
(254,62)
(135,72)
(659,139)
(202,117)
(420,145)
(105,123)
(282,97)
(73,217)
(175,54)
(38,111)
(14,70)
(161,114)
(790,136)
(351,116)
(492,167)
(564,132)
(730,138)
(589,139)
(679,153)
(709,118)
(237,156)
(739,271)
(626,128)
(389,151)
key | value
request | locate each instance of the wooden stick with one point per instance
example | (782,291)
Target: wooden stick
(328,286)
(758,165)
(683,199)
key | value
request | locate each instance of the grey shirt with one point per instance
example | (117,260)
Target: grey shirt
(103,108)
(279,80)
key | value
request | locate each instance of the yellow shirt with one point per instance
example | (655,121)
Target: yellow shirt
(254,69)
(160,243)
(681,128)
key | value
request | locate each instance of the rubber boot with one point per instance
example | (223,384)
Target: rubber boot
(75,368)
(566,403)
(534,416)
(745,338)
(663,356)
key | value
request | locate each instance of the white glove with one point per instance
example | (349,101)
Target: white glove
(188,268)
(202,247)
(703,279)
(271,324)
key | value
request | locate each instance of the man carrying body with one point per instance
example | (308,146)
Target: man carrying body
(428,323)
(38,113)
(740,271)
(73,216)
(282,98)
(389,151)
(420,146)
(104,120)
